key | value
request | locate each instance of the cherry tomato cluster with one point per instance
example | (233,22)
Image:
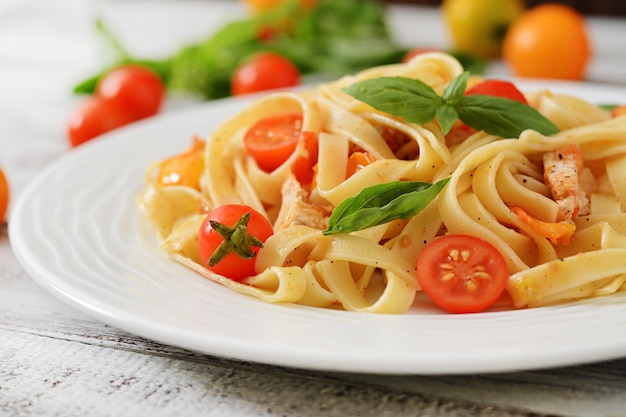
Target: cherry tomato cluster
(124,95)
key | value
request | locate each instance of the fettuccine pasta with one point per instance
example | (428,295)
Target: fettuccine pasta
(505,191)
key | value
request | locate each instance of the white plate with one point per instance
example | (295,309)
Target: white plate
(77,231)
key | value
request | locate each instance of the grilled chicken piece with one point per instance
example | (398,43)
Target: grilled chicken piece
(296,210)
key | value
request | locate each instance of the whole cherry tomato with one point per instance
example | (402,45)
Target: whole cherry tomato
(124,95)
(461,273)
(264,71)
(229,239)
(94,117)
(4,195)
(548,41)
(418,51)
(136,88)
(498,88)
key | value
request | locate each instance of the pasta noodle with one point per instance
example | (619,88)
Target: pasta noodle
(495,185)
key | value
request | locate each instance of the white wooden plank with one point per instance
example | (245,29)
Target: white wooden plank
(61,378)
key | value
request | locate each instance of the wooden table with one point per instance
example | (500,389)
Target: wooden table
(56,361)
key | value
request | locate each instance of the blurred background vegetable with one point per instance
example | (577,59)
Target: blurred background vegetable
(122,95)
(477,27)
(548,41)
(331,38)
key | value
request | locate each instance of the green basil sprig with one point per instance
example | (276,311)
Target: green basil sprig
(382,203)
(416,102)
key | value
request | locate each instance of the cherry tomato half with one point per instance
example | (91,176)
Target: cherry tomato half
(272,140)
(498,88)
(4,195)
(95,117)
(264,71)
(185,168)
(461,273)
(232,265)
(135,88)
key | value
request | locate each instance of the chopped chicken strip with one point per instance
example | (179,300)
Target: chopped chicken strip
(296,210)
(562,169)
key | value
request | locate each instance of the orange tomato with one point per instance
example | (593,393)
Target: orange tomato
(4,195)
(258,6)
(358,161)
(548,41)
(185,168)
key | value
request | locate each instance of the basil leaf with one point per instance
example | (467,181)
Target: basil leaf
(502,117)
(456,89)
(412,100)
(446,116)
(382,203)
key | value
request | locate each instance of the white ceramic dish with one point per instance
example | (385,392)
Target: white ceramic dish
(78,233)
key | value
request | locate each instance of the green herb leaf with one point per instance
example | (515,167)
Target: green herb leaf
(446,116)
(416,102)
(455,90)
(502,117)
(410,99)
(333,38)
(382,203)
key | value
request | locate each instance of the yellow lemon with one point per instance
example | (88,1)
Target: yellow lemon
(477,27)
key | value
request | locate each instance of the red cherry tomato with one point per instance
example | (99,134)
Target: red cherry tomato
(302,167)
(498,88)
(232,265)
(272,140)
(4,195)
(417,51)
(264,71)
(135,88)
(461,273)
(95,117)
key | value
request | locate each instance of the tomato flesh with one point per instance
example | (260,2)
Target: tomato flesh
(232,265)
(461,273)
